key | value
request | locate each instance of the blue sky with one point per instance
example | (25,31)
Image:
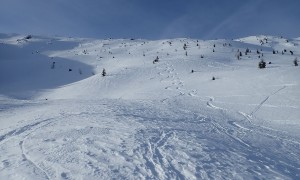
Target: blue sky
(151,19)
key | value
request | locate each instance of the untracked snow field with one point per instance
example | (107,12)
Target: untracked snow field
(146,119)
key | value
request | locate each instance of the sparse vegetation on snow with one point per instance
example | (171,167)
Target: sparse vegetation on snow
(166,109)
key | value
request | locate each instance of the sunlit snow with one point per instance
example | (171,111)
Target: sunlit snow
(61,119)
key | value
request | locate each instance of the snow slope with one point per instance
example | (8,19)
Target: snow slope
(60,119)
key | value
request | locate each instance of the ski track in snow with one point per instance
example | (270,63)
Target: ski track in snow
(90,129)
(231,130)
(23,133)
(260,104)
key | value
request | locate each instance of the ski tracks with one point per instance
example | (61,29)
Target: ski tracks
(264,100)
(21,134)
(158,160)
(174,82)
(273,161)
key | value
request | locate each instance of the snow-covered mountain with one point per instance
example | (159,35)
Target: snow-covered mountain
(202,110)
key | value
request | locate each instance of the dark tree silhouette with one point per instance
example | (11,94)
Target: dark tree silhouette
(262,64)
(155,60)
(103,72)
(296,62)
(28,37)
(53,65)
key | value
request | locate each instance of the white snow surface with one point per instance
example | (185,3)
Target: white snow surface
(61,119)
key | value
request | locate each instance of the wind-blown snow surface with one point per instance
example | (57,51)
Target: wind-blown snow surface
(148,120)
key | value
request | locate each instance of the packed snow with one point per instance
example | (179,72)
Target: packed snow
(166,109)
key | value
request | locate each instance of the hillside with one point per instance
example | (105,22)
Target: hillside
(61,119)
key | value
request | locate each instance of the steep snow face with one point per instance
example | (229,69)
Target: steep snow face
(164,119)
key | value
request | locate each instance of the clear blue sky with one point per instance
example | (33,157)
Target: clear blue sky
(151,19)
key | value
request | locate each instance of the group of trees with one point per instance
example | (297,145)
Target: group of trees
(262,63)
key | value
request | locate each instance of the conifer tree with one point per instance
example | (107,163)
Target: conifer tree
(103,72)
(262,64)
(184,46)
(296,62)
